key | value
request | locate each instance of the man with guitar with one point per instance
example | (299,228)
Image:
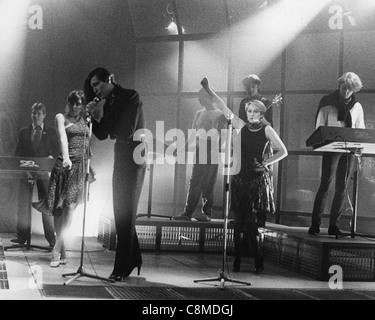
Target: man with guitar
(251,84)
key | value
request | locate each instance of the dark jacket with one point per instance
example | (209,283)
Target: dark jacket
(122,117)
(48,144)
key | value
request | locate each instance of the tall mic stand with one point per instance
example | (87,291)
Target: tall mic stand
(81,270)
(222,278)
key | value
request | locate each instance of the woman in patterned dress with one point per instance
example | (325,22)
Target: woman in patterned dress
(251,186)
(66,185)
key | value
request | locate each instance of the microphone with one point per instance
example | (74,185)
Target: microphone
(88,114)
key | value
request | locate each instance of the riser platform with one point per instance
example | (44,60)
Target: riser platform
(290,247)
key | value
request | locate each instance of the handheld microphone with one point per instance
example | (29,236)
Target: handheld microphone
(88,114)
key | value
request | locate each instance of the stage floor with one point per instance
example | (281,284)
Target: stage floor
(164,276)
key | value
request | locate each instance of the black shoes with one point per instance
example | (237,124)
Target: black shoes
(259,269)
(19,241)
(333,230)
(185,217)
(203,217)
(120,277)
(182,216)
(314,229)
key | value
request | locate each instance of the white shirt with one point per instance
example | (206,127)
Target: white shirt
(327,116)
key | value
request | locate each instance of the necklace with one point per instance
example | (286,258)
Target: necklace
(254,126)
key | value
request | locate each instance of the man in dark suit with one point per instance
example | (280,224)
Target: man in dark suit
(119,116)
(36,140)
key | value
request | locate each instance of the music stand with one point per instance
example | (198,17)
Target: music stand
(81,269)
(222,278)
(31,182)
(153,156)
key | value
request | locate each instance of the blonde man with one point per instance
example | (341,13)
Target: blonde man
(337,109)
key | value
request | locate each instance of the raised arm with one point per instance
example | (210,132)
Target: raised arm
(277,145)
(220,105)
(63,139)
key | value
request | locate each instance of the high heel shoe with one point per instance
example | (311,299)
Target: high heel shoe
(63,256)
(55,260)
(122,276)
(127,274)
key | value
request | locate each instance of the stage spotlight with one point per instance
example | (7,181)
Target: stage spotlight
(172,26)
(170,20)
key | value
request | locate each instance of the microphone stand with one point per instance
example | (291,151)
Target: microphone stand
(81,269)
(222,278)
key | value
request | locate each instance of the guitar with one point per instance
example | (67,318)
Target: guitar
(276,101)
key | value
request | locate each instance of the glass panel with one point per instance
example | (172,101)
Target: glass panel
(157,67)
(205,58)
(304,70)
(321,22)
(367,101)
(300,182)
(163,189)
(253,55)
(360,61)
(158,108)
(358,14)
(236,104)
(202,16)
(240,10)
(151,17)
(299,122)
(366,187)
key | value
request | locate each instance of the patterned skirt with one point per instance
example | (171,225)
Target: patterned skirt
(253,195)
(66,187)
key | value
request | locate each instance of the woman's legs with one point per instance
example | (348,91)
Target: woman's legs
(237,238)
(62,224)
(252,230)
